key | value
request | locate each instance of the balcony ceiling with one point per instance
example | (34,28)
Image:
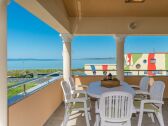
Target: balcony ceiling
(116,8)
(101,17)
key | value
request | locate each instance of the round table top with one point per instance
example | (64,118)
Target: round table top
(95,89)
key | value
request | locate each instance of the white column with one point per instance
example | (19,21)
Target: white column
(66,39)
(120,56)
(3,63)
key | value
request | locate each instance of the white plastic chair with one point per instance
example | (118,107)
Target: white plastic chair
(74,104)
(71,80)
(115,108)
(74,90)
(142,91)
(152,105)
(143,85)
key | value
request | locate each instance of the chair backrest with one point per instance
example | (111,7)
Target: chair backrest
(116,106)
(157,90)
(66,90)
(72,83)
(144,83)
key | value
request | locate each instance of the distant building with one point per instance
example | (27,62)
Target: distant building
(151,64)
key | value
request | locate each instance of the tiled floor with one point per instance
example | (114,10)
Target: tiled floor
(78,120)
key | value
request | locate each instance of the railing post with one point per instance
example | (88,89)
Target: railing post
(24,89)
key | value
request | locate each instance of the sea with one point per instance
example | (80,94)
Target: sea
(21,64)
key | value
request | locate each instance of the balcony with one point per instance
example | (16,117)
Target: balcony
(111,18)
(45,106)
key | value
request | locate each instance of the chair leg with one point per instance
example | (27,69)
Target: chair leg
(66,117)
(87,118)
(90,118)
(102,123)
(97,121)
(152,117)
(160,118)
(140,118)
(86,115)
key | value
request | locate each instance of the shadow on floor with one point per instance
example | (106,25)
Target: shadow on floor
(77,119)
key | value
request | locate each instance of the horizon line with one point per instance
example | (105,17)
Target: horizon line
(57,59)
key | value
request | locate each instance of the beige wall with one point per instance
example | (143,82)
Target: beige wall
(36,108)
(86,79)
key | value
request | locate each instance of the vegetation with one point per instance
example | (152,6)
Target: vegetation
(15,91)
(20,89)
(11,83)
(30,74)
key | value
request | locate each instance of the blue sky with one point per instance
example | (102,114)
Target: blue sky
(28,37)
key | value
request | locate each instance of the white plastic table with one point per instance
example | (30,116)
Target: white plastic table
(95,89)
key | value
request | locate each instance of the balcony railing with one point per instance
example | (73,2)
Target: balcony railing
(22,89)
(126,72)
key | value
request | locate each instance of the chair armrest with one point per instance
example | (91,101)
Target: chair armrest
(77,100)
(135,86)
(83,86)
(151,101)
(143,102)
(139,92)
(80,92)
